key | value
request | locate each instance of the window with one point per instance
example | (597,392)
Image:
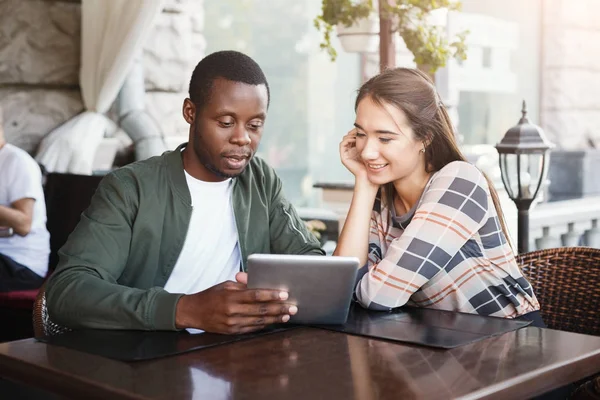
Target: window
(503,68)
(312,99)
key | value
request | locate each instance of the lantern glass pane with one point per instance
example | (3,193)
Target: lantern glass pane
(535,170)
(508,168)
(529,174)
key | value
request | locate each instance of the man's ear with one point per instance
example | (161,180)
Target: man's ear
(189,111)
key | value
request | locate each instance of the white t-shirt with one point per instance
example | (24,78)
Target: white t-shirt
(210,253)
(20,178)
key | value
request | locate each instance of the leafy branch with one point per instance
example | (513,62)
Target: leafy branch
(410,19)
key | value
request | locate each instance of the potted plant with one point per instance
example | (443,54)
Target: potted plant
(411,19)
(355,16)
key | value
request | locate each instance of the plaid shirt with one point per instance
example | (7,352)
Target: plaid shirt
(448,252)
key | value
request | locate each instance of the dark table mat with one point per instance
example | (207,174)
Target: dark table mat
(425,326)
(143,345)
(422,326)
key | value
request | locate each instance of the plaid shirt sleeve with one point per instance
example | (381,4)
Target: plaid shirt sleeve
(452,209)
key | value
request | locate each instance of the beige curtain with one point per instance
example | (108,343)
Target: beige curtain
(111,34)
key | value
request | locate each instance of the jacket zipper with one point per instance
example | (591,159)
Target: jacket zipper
(292,223)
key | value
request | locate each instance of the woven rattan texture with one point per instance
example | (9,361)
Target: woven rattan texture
(566,281)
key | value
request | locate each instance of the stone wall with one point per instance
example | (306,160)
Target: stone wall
(570,105)
(170,55)
(39,65)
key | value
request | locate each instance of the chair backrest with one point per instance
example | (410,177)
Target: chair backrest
(67,196)
(566,281)
(42,325)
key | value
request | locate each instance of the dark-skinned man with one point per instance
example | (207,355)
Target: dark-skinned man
(164,243)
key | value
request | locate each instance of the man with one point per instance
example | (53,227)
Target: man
(164,239)
(24,252)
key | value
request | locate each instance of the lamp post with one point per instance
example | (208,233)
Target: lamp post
(523,153)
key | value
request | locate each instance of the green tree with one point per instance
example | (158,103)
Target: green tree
(428,43)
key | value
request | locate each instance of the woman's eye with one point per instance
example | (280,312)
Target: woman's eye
(385,140)
(360,134)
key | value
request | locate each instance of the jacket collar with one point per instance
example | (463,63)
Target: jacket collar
(174,163)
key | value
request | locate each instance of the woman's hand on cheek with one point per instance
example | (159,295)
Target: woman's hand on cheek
(350,156)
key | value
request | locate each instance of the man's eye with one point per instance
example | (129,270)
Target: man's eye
(226,124)
(256,125)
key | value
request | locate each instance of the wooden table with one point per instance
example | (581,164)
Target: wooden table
(312,364)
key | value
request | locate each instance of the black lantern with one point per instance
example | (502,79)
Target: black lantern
(524,161)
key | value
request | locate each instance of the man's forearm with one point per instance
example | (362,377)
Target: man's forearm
(76,298)
(15,219)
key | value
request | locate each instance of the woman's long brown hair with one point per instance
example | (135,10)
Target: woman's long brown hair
(413,92)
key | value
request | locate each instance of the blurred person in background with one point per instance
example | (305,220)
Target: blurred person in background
(24,239)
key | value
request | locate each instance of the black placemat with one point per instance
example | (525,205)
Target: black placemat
(143,345)
(425,326)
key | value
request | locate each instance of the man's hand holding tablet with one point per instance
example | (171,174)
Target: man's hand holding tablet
(232,308)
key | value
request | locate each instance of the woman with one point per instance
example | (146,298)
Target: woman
(426,224)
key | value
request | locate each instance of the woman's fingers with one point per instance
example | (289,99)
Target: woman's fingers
(348,141)
(350,134)
(349,144)
(348,151)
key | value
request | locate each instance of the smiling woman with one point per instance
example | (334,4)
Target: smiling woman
(385,137)
(425,223)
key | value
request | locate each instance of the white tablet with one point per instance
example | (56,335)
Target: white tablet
(320,286)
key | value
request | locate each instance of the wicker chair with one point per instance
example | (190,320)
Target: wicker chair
(42,325)
(589,390)
(566,282)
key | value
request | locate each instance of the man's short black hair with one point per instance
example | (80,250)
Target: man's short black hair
(228,64)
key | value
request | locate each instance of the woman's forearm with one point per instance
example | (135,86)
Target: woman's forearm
(354,239)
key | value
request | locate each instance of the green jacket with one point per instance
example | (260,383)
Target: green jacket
(114,266)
